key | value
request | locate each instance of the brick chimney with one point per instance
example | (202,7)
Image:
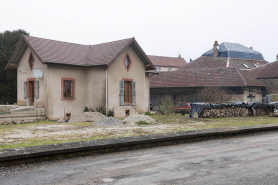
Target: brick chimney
(179,55)
(277,57)
(251,47)
(215,49)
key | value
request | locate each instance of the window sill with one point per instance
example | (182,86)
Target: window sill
(68,98)
(127,104)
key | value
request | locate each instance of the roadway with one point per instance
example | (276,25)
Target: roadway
(251,159)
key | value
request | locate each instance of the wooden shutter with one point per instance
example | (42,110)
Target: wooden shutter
(133,93)
(25,90)
(122,92)
(37,89)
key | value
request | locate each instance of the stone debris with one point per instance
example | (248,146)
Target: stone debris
(138,117)
(61,121)
(87,117)
(109,122)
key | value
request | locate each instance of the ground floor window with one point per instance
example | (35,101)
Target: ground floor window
(127,92)
(68,89)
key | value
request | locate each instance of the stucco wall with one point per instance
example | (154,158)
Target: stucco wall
(57,106)
(95,79)
(116,72)
(24,72)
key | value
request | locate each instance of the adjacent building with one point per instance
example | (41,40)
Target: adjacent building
(167,63)
(225,66)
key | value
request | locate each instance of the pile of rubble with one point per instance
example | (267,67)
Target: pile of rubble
(138,117)
(87,117)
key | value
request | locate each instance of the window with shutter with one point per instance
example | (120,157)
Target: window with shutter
(127,92)
(25,90)
(37,89)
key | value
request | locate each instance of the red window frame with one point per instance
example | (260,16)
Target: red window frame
(130,62)
(31,65)
(72,80)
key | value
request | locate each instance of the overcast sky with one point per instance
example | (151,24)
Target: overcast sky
(161,28)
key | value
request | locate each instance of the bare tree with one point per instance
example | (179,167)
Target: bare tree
(213,95)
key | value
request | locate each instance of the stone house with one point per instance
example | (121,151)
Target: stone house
(111,75)
(268,74)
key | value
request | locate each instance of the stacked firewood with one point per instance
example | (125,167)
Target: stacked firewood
(260,111)
(225,112)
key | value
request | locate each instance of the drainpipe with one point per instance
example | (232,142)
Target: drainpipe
(106,89)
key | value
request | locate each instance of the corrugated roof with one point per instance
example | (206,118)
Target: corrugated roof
(214,62)
(167,61)
(57,52)
(269,70)
(213,77)
(235,50)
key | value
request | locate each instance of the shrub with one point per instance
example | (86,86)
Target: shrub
(101,110)
(110,113)
(167,105)
(148,114)
(86,109)
(143,123)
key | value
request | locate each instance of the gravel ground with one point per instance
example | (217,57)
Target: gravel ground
(138,117)
(109,122)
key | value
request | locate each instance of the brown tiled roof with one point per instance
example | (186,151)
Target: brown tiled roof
(214,77)
(167,61)
(269,70)
(214,62)
(57,52)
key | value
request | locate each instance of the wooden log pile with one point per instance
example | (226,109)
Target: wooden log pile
(225,112)
(260,111)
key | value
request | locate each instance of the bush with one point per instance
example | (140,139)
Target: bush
(86,109)
(143,123)
(101,110)
(110,113)
(91,110)
(148,114)
(167,105)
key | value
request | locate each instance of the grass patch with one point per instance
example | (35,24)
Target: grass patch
(143,123)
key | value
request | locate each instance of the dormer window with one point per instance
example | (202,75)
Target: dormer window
(127,62)
(255,65)
(246,66)
(31,60)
